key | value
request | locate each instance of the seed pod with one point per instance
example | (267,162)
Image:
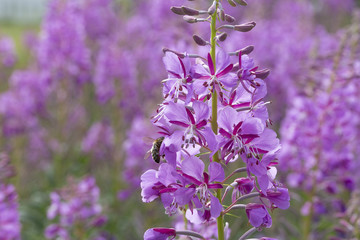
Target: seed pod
(229,18)
(246,27)
(241,2)
(190,11)
(222,37)
(199,40)
(177,10)
(232,3)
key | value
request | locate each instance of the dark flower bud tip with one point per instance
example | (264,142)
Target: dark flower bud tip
(177,10)
(246,50)
(241,2)
(222,14)
(199,40)
(229,18)
(264,73)
(222,37)
(246,27)
(212,8)
(232,3)
(190,11)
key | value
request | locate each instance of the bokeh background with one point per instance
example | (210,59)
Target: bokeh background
(80,80)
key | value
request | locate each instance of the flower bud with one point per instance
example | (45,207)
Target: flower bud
(190,19)
(264,73)
(177,10)
(229,18)
(232,3)
(241,2)
(246,27)
(212,8)
(190,11)
(245,185)
(246,50)
(222,37)
(222,14)
(199,40)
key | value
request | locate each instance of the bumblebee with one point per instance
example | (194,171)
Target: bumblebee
(155,150)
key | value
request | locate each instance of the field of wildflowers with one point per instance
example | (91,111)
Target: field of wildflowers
(181,119)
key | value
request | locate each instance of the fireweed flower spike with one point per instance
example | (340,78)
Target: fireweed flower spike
(9,215)
(212,115)
(75,207)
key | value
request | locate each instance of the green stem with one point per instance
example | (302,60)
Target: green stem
(214,125)
(308,220)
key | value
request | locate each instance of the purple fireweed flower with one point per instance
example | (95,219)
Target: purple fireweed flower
(242,186)
(7,52)
(192,169)
(6,170)
(247,69)
(279,197)
(206,79)
(54,230)
(264,170)
(250,100)
(173,142)
(189,185)
(240,134)
(9,218)
(106,71)
(160,234)
(258,215)
(165,184)
(99,140)
(179,79)
(191,124)
(75,205)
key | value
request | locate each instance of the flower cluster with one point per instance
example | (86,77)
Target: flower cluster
(321,131)
(9,218)
(76,211)
(99,140)
(7,52)
(349,221)
(213,115)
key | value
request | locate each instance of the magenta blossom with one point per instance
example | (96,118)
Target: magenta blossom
(243,186)
(179,80)
(192,124)
(258,215)
(207,79)
(160,234)
(279,197)
(237,134)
